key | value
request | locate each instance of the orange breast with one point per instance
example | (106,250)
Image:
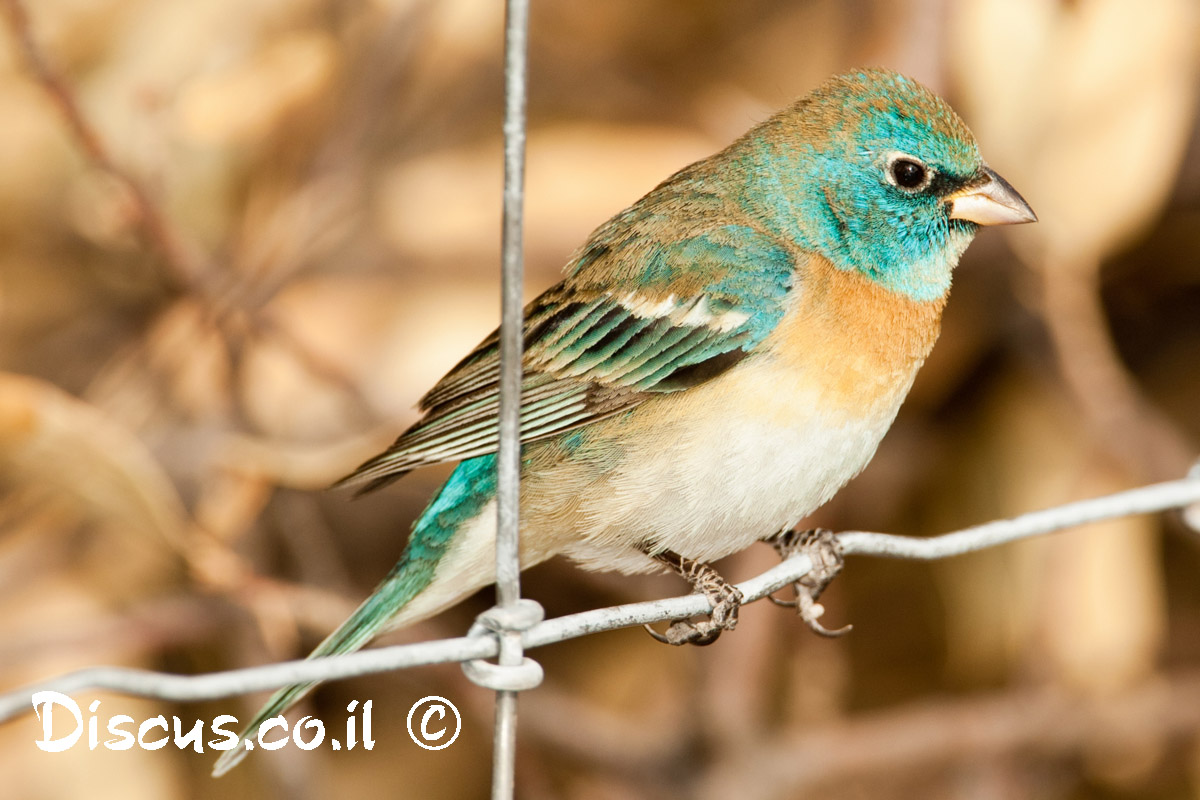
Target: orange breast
(858,342)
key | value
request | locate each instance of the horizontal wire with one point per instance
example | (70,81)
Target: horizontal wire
(166,686)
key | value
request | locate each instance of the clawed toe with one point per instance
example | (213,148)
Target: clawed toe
(682,631)
(823,549)
(811,611)
(724,597)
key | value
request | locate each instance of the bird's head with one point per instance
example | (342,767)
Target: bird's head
(878,174)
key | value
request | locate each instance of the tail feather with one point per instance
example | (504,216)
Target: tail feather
(465,494)
(369,619)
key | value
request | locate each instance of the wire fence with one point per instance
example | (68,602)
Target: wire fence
(511,615)
(515,625)
(483,642)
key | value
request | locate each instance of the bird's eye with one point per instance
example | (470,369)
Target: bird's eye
(908,174)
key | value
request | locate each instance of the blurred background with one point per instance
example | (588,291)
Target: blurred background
(240,238)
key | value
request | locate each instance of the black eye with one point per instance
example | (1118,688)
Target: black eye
(908,174)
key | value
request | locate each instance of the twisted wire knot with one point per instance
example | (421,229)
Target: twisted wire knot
(496,621)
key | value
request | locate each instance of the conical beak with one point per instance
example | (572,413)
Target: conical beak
(990,200)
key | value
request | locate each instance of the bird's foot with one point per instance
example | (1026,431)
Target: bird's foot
(724,597)
(823,549)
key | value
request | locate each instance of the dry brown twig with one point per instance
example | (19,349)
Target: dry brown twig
(189,271)
(186,269)
(1125,422)
(1044,721)
(212,562)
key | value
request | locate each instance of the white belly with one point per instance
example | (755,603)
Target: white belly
(715,473)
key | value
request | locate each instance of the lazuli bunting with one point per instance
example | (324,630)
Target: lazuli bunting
(721,357)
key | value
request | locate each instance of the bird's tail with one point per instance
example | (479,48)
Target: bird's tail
(401,598)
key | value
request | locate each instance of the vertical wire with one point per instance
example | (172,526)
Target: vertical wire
(508,581)
(508,458)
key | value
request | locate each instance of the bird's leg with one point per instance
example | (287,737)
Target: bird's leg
(822,548)
(724,597)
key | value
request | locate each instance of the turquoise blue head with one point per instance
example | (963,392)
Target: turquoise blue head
(880,175)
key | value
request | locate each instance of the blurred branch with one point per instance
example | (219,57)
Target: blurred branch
(1125,422)
(1147,499)
(299,465)
(155,624)
(189,271)
(186,270)
(915,740)
(323,369)
(597,735)
(213,563)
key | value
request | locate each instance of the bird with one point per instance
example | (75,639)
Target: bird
(720,358)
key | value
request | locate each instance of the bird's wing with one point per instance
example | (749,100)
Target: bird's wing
(591,353)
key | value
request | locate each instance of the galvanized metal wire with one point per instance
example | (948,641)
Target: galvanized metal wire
(508,458)
(183,688)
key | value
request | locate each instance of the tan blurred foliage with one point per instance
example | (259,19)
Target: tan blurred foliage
(239,239)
